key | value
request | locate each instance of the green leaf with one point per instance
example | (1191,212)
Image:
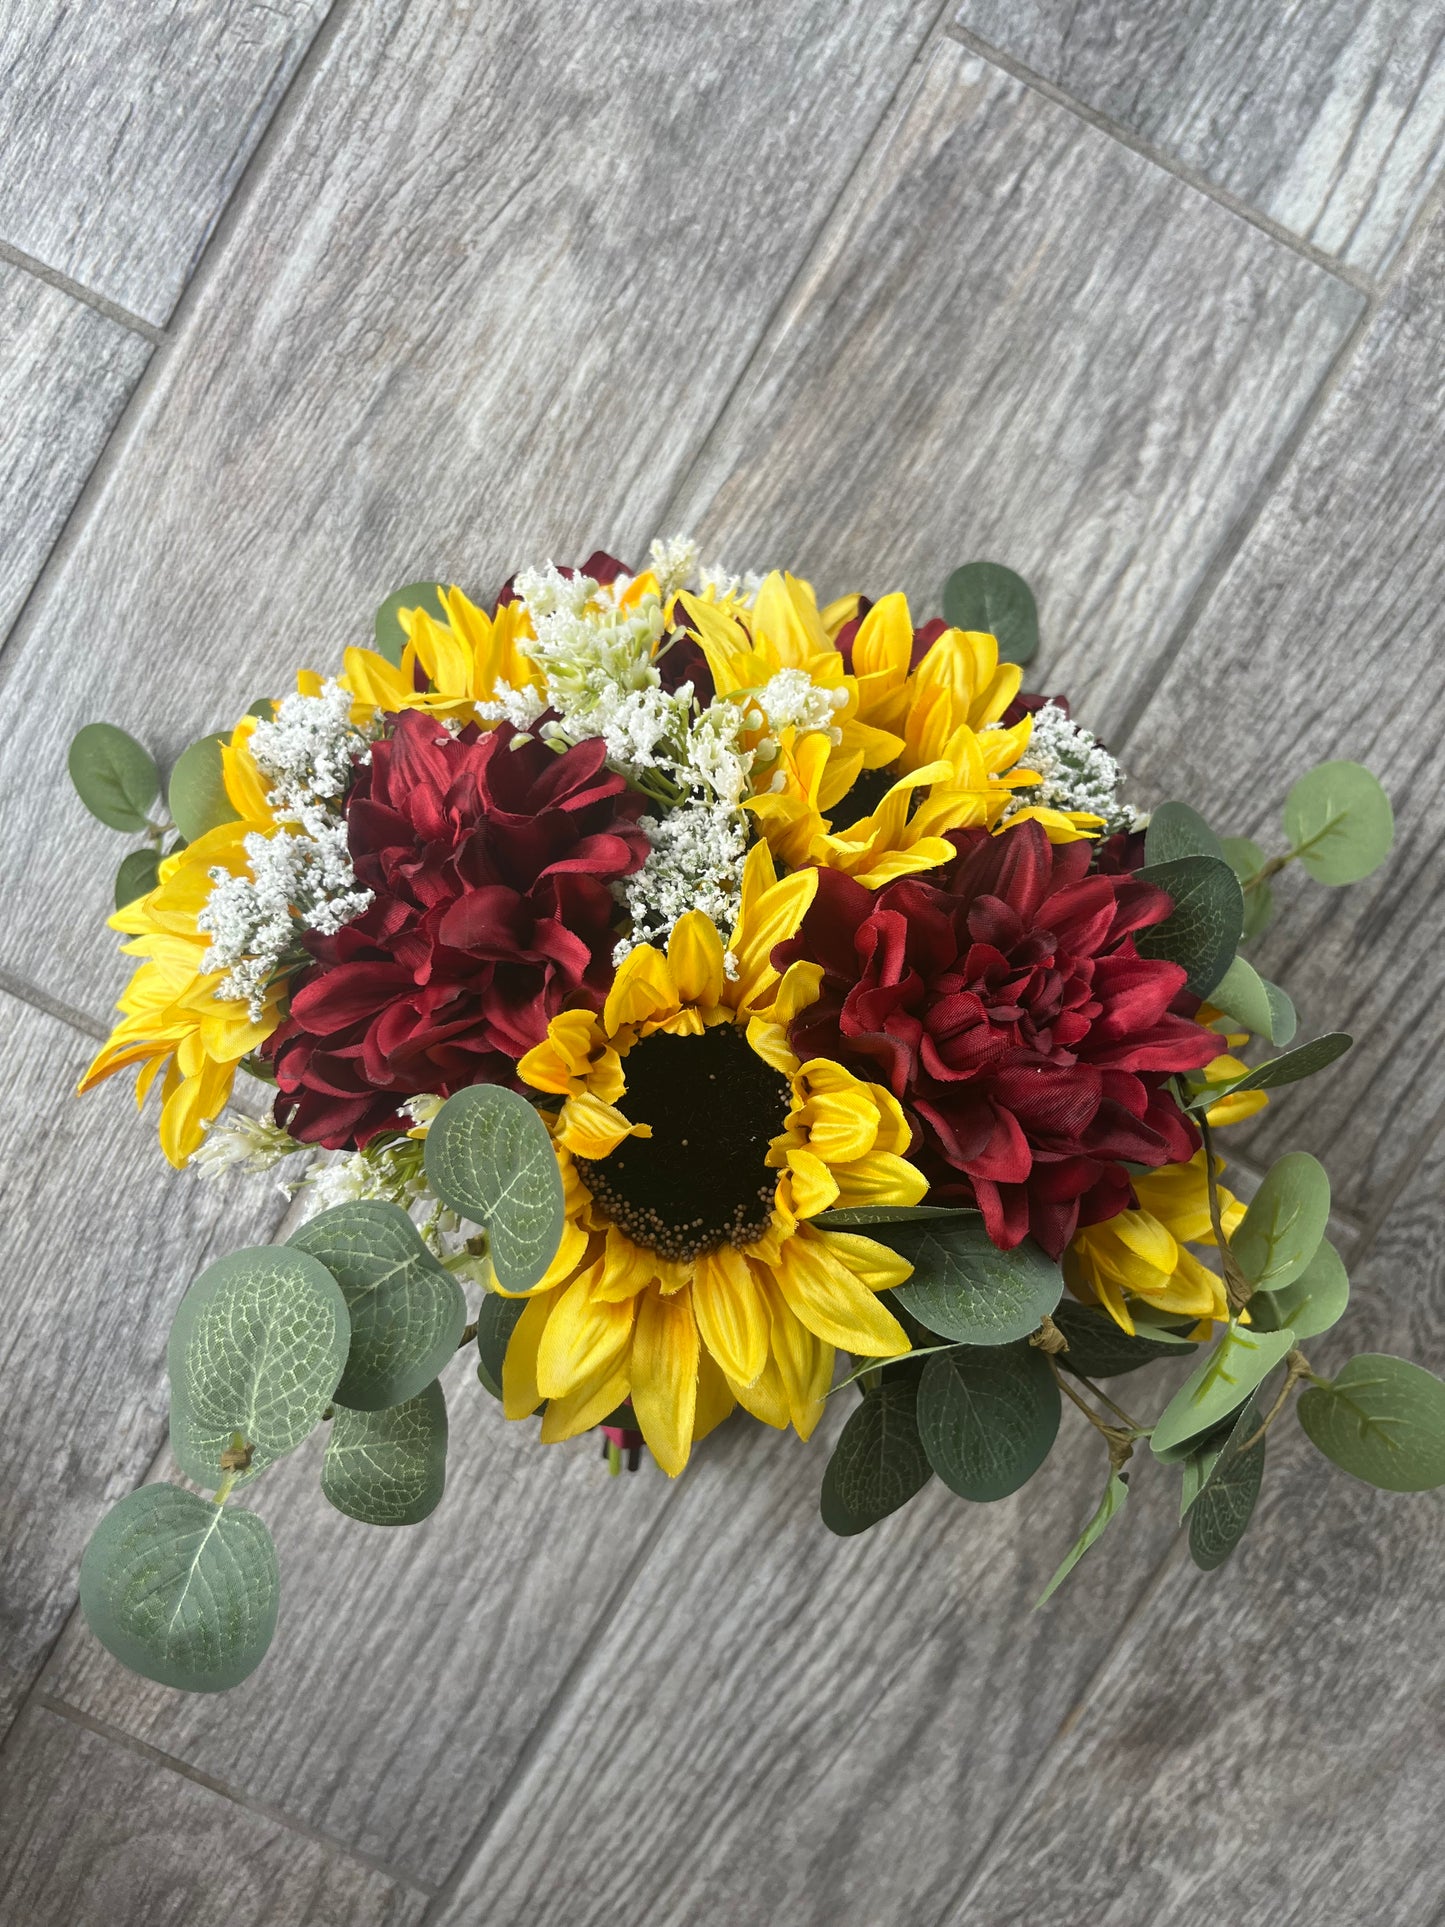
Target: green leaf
(1098,1348)
(1116,1494)
(490,1159)
(1312,1304)
(1319,1053)
(1175,830)
(1247,859)
(1262,1007)
(852,1216)
(1225,1501)
(1241,1360)
(197,791)
(1194,1468)
(257,1347)
(878,1463)
(114,776)
(496,1321)
(391,638)
(964,1287)
(1339,822)
(181,1590)
(1381,1419)
(1203,930)
(986,596)
(987,1417)
(136,876)
(407,1312)
(1286,1219)
(388,1468)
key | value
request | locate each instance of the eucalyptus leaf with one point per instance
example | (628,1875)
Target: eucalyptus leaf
(114,776)
(1175,830)
(987,597)
(1381,1419)
(1241,1360)
(197,790)
(391,638)
(878,1463)
(181,1590)
(988,1417)
(496,1321)
(1194,1468)
(1339,822)
(1317,1055)
(1312,1304)
(1260,1006)
(964,1287)
(407,1312)
(388,1468)
(1247,859)
(1098,1348)
(257,1347)
(853,1217)
(136,876)
(1203,930)
(1116,1493)
(1286,1219)
(1221,1512)
(1284,1019)
(490,1159)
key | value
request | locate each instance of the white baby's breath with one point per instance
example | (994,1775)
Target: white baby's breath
(1078,772)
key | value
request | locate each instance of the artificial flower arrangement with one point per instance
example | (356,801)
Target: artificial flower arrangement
(713,984)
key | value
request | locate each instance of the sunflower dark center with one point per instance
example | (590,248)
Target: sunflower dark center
(702,1179)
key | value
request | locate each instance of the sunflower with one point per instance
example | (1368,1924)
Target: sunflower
(695,1148)
(461,661)
(1143,1254)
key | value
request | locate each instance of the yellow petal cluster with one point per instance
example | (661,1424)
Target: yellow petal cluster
(1143,1254)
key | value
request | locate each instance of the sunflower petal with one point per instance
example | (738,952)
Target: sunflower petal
(587,1405)
(833,1302)
(643,987)
(664,1377)
(591,1129)
(584,1333)
(731,1314)
(695,957)
(521,1394)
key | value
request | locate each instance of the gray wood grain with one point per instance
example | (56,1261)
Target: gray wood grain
(781,1726)
(1323,640)
(409,1666)
(1021,341)
(101,1239)
(125,129)
(1329,118)
(482,307)
(1264,1745)
(65,374)
(98,1835)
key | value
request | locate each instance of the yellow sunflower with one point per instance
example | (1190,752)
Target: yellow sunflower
(462,660)
(695,1149)
(1143,1254)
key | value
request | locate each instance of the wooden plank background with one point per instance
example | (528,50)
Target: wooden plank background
(299,301)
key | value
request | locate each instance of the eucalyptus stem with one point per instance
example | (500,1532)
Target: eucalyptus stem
(1119,1441)
(1297,1366)
(1237,1287)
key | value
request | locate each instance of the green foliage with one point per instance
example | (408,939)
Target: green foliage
(407,1312)
(986,596)
(987,1417)
(854,1217)
(1312,1304)
(878,1463)
(1339,822)
(1317,1055)
(388,1468)
(1194,1468)
(1222,1509)
(496,1321)
(114,776)
(1116,1493)
(1202,932)
(1098,1348)
(1176,831)
(257,1347)
(1247,859)
(391,638)
(181,1590)
(490,1159)
(1287,1218)
(1251,1000)
(964,1287)
(136,876)
(1381,1419)
(197,790)
(1241,1360)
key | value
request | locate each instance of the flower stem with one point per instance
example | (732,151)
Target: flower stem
(1297,1366)
(1237,1287)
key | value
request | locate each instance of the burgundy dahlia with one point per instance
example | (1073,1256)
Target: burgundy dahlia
(1003,1002)
(489,856)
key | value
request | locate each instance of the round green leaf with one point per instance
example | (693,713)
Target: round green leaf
(1312,1304)
(986,596)
(1221,1511)
(490,1159)
(181,1590)
(197,791)
(964,1287)
(114,776)
(1098,1348)
(987,1417)
(1116,1494)
(496,1321)
(1381,1419)
(1286,1219)
(1194,1468)
(1218,1385)
(388,1468)
(391,638)
(257,1347)
(1262,1007)
(1175,830)
(1247,859)
(1203,930)
(407,1311)
(878,1463)
(136,876)
(1339,822)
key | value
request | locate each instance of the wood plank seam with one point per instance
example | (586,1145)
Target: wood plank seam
(122,317)
(1286,237)
(27,993)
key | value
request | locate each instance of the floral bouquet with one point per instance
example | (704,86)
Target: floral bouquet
(710,983)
